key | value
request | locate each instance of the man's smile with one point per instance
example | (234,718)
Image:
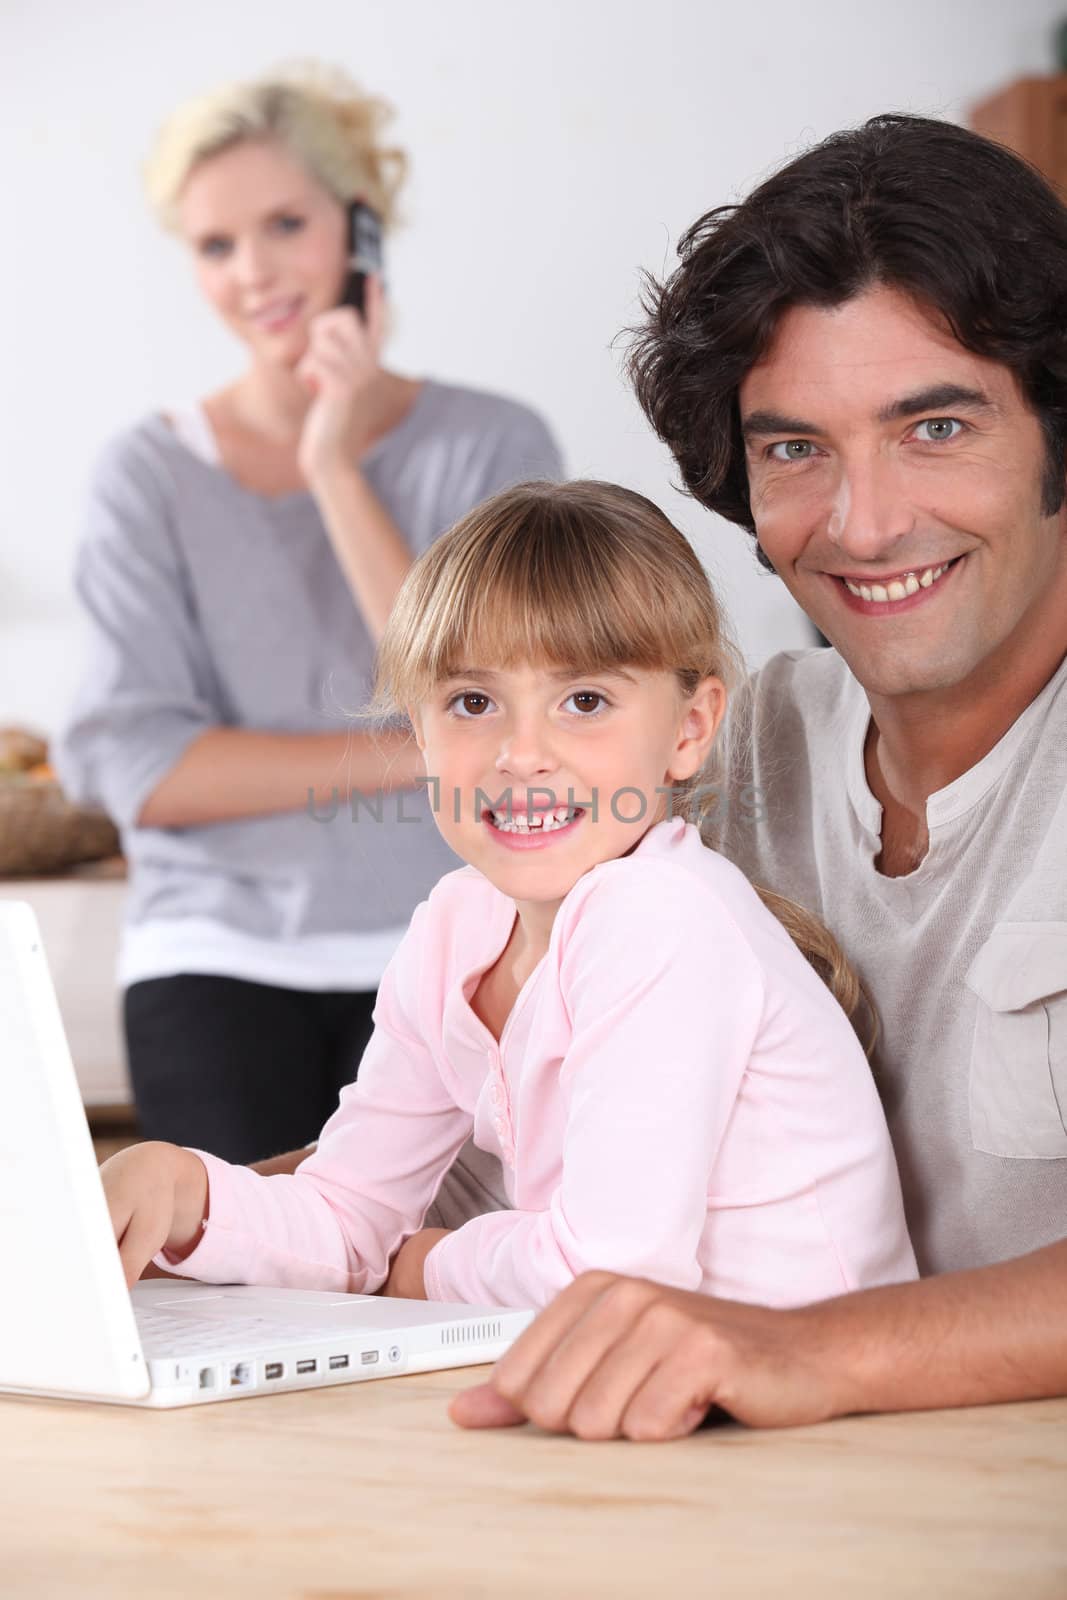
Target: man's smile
(891,594)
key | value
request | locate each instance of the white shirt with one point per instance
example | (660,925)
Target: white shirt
(965,957)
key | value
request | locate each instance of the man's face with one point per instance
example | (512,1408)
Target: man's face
(896,485)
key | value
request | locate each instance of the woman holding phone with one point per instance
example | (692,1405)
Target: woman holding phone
(239,562)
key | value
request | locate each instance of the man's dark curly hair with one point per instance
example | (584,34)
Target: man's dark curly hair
(961,224)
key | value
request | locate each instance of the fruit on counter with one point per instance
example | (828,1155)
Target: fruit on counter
(21,751)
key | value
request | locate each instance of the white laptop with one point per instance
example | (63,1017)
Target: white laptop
(70,1328)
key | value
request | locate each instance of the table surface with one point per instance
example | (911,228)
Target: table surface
(368,1490)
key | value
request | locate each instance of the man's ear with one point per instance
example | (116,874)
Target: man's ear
(700,723)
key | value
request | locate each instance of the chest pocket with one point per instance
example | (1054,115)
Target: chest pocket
(1018,1086)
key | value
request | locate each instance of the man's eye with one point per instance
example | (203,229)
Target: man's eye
(791,450)
(468,704)
(938,429)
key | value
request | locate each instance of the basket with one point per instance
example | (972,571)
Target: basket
(42,831)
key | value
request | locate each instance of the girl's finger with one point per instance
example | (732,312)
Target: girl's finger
(138,1245)
(119,1210)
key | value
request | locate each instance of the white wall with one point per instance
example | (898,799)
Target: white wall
(557,148)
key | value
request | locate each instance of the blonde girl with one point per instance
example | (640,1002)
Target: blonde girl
(600,998)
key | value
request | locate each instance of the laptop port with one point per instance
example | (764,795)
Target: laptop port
(274,1369)
(369,1357)
(304,1367)
(240,1374)
(337,1363)
(208,1378)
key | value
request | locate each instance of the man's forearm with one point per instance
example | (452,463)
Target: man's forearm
(963,1338)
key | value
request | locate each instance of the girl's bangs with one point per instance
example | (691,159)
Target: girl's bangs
(543,619)
(583,577)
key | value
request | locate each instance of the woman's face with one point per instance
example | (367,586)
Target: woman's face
(270,245)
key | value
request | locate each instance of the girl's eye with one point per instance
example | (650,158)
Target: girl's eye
(791,450)
(215,247)
(287,222)
(939,429)
(473,704)
(587,695)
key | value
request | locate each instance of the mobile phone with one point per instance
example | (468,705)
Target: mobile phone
(364,253)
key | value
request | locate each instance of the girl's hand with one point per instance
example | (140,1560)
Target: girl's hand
(342,370)
(405,1280)
(157,1195)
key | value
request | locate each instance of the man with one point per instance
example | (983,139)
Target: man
(865,365)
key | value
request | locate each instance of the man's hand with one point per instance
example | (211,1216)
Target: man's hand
(157,1196)
(620,1357)
(405,1280)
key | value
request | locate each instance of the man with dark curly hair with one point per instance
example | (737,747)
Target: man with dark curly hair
(864,364)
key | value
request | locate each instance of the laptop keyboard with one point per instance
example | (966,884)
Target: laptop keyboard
(164,1332)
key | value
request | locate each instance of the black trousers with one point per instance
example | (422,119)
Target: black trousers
(242,1070)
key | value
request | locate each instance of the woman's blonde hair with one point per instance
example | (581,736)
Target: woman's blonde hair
(583,575)
(318,114)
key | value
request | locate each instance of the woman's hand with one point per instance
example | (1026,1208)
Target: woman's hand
(157,1195)
(342,369)
(405,1280)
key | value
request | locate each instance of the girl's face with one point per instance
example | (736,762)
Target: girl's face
(270,245)
(603,746)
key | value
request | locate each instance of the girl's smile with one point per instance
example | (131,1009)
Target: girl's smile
(532,829)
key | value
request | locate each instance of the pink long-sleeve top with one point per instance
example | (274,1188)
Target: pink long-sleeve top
(675,1094)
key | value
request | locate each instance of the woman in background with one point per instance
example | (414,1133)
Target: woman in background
(239,563)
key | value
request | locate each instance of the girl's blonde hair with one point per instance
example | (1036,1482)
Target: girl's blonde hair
(587,576)
(318,114)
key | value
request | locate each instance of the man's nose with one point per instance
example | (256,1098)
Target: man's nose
(870,511)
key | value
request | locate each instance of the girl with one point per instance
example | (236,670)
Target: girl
(240,559)
(602,999)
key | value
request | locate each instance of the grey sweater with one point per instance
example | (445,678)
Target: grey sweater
(212,606)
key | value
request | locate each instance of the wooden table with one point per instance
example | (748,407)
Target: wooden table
(368,1490)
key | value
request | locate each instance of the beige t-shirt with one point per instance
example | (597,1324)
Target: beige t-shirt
(965,958)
